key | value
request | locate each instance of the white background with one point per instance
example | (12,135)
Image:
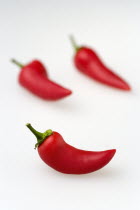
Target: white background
(95,117)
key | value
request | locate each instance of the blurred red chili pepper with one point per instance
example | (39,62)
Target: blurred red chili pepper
(88,62)
(35,78)
(59,155)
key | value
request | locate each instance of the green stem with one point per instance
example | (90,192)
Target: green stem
(17,63)
(40,136)
(75,46)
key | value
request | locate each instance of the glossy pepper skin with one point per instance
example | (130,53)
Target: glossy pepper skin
(34,78)
(59,155)
(88,62)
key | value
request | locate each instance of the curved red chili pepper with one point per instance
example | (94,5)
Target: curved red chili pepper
(59,155)
(35,78)
(88,62)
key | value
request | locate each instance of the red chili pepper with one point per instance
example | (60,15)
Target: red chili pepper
(59,155)
(88,62)
(35,78)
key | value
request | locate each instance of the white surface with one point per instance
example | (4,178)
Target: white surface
(95,117)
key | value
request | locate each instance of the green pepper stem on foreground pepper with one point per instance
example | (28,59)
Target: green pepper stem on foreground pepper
(59,155)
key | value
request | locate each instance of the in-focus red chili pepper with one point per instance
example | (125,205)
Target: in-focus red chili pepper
(88,62)
(34,77)
(59,155)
